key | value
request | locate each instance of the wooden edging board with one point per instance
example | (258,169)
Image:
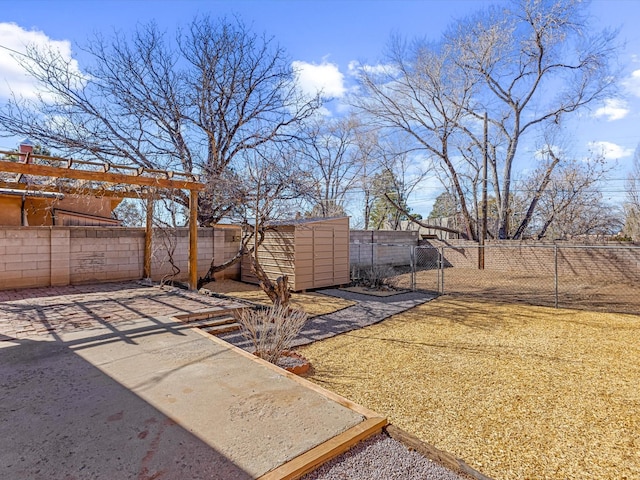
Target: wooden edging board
(432,453)
(326,451)
(186,318)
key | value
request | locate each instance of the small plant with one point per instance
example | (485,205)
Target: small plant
(376,276)
(271,330)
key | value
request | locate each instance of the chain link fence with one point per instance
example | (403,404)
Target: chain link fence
(598,278)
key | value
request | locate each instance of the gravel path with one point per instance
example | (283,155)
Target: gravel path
(368,310)
(381,458)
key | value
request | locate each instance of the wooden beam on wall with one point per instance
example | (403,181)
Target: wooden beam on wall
(97,176)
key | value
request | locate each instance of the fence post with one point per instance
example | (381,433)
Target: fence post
(412,254)
(441,271)
(555,266)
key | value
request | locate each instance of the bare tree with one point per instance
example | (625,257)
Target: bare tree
(419,93)
(332,162)
(632,204)
(369,153)
(502,61)
(570,204)
(272,185)
(391,187)
(167,215)
(130,213)
(197,103)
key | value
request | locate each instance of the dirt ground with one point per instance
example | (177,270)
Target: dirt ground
(312,303)
(518,392)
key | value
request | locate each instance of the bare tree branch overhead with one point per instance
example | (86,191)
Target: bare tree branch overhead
(527,66)
(195,102)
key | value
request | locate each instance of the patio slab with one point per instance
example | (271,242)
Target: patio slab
(145,397)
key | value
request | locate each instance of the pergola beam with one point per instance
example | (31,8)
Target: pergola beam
(59,172)
(105,174)
(72,190)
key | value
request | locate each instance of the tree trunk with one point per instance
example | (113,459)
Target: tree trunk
(534,201)
(277,292)
(242,251)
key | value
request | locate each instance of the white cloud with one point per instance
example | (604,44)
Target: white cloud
(15,40)
(632,83)
(325,77)
(613,109)
(609,150)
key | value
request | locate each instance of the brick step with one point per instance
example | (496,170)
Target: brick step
(222,328)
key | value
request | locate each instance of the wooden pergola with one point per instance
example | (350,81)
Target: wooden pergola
(140,182)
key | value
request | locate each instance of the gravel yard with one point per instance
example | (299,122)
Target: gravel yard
(515,391)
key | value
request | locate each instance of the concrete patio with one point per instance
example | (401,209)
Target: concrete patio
(103,382)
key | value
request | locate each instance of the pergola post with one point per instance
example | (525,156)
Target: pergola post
(107,173)
(148,235)
(193,240)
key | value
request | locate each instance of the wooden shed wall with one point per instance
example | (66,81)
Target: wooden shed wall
(276,254)
(322,254)
(313,254)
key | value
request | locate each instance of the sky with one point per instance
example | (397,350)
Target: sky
(324,39)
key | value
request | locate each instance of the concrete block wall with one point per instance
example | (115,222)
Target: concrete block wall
(382,247)
(100,254)
(57,256)
(214,244)
(613,262)
(26,257)
(178,240)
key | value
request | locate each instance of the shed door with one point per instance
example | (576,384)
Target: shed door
(323,271)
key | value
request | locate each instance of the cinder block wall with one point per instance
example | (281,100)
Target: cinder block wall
(214,244)
(100,254)
(25,257)
(57,256)
(382,247)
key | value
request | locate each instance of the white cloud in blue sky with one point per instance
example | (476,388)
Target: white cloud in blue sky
(610,151)
(632,83)
(324,77)
(613,109)
(14,40)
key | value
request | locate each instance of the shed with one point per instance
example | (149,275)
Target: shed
(313,252)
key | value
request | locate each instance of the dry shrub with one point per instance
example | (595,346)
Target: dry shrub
(376,276)
(271,330)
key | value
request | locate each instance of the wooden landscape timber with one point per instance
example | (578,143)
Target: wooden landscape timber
(432,453)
